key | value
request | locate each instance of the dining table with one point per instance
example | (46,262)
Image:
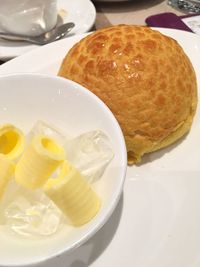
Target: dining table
(130,12)
(144,229)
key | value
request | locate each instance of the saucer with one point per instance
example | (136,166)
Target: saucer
(82,13)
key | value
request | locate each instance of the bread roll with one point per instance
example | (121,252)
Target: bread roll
(144,77)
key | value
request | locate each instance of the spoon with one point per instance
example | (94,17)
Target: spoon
(44,38)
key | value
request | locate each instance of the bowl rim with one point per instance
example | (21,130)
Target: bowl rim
(108,210)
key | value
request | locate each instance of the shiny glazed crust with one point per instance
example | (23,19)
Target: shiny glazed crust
(144,77)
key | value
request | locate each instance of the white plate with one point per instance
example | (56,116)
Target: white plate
(81,12)
(72,108)
(157,221)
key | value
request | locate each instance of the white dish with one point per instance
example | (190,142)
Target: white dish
(26,98)
(82,13)
(157,221)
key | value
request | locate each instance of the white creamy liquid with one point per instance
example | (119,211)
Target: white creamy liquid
(28,17)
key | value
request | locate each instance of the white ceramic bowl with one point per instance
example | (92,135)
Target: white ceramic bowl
(26,98)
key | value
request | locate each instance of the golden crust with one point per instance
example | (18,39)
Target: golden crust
(144,77)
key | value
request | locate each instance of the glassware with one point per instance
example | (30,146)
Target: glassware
(188,6)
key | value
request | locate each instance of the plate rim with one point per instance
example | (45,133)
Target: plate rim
(4,68)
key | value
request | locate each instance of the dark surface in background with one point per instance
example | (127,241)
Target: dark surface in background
(125,6)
